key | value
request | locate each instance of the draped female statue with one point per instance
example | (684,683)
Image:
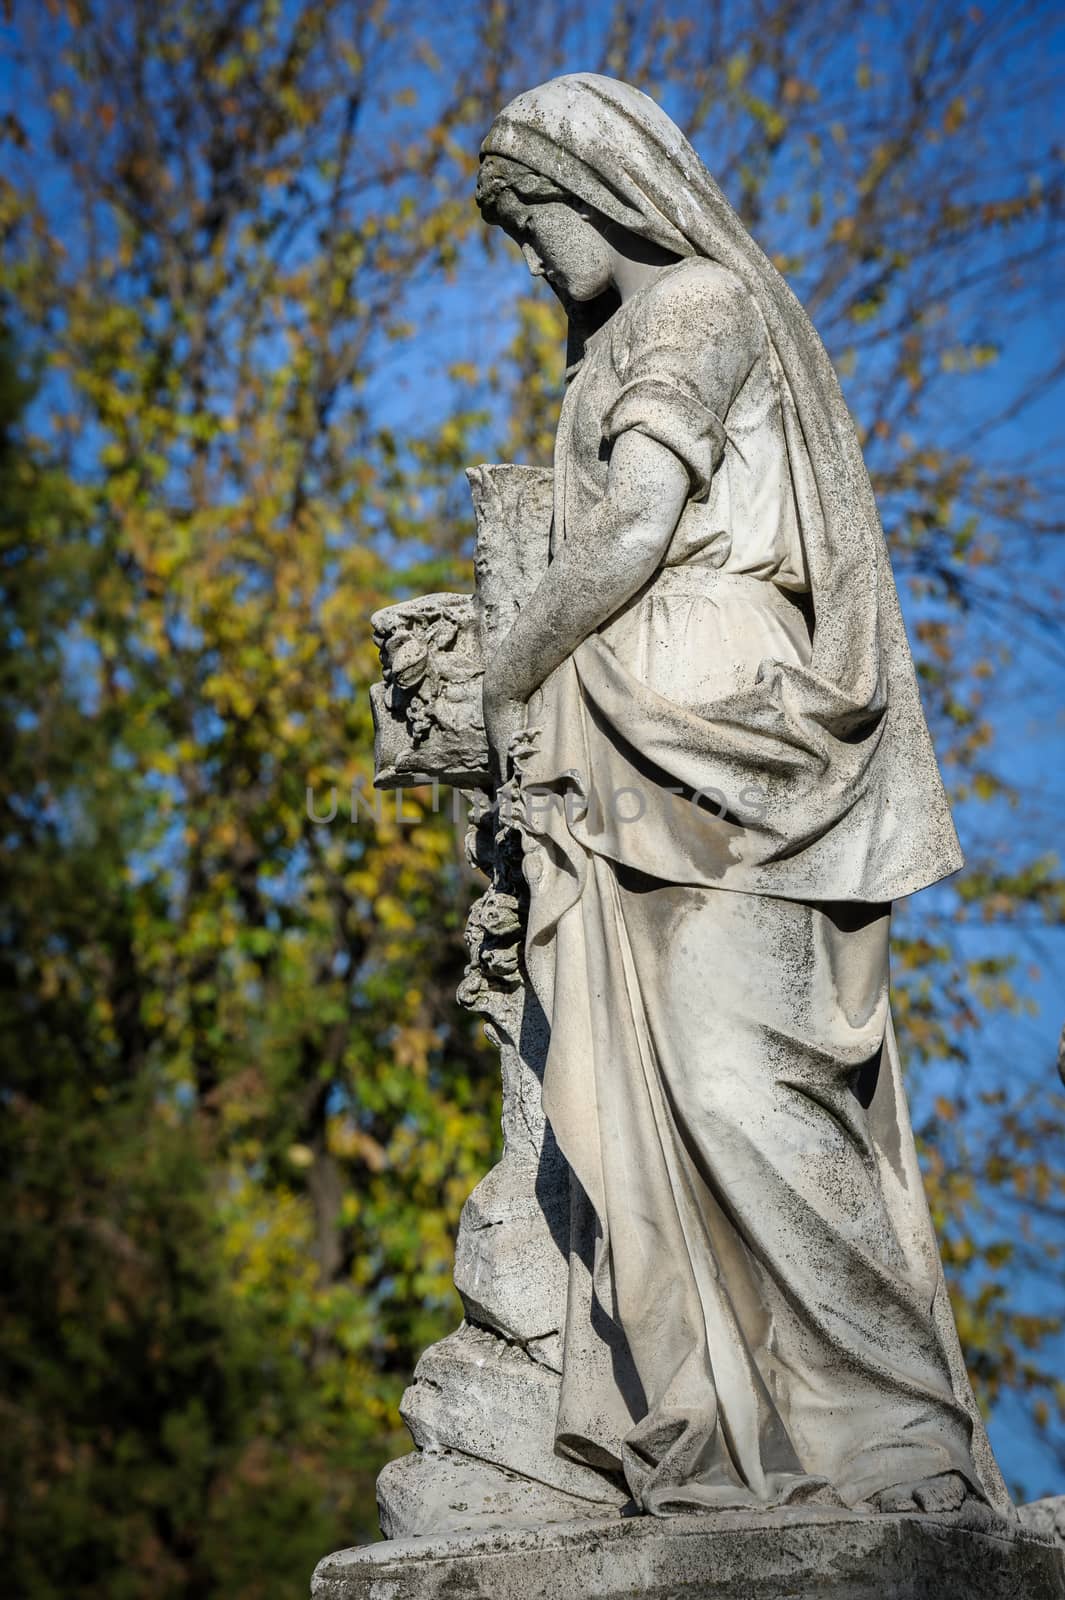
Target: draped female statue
(710,711)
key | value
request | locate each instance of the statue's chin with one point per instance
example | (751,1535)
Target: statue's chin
(581,294)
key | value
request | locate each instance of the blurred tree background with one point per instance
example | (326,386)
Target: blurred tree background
(251,333)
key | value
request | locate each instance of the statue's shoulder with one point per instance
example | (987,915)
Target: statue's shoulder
(697,278)
(696,288)
(694,298)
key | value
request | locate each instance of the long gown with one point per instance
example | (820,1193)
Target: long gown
(756,1309)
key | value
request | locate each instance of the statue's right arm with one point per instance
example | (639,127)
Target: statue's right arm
(604,561)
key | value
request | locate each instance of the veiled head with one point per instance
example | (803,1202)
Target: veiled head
(604,148)
(560,236)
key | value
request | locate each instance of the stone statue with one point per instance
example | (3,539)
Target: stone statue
(703,1277)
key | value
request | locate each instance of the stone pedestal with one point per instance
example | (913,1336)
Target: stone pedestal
(482,1403)
(786,1555)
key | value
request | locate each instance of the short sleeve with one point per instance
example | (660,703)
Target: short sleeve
(683,357)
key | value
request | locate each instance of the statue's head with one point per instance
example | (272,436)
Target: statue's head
(562,238)
(555,174)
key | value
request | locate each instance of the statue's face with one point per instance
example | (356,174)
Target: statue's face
(562,246)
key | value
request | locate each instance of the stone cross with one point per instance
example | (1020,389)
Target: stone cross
(481,1408)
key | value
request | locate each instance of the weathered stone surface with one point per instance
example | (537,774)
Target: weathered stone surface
(485,1394)
(430,1493)
(476,1394)
(505,1244)
(513,505)
(1046,1518)
(427,712)
(788,1555)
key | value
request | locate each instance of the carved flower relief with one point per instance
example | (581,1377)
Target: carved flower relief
(473,991)
(482,833)
(408,658)
(493,937)
(429,683)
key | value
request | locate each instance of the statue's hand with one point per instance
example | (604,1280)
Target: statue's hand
(503,718)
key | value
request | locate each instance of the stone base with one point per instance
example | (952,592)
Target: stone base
(794,1554)
(431,1496)
(1047,1518)
(476,1394)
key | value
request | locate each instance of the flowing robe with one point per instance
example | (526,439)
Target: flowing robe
(756,1308)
